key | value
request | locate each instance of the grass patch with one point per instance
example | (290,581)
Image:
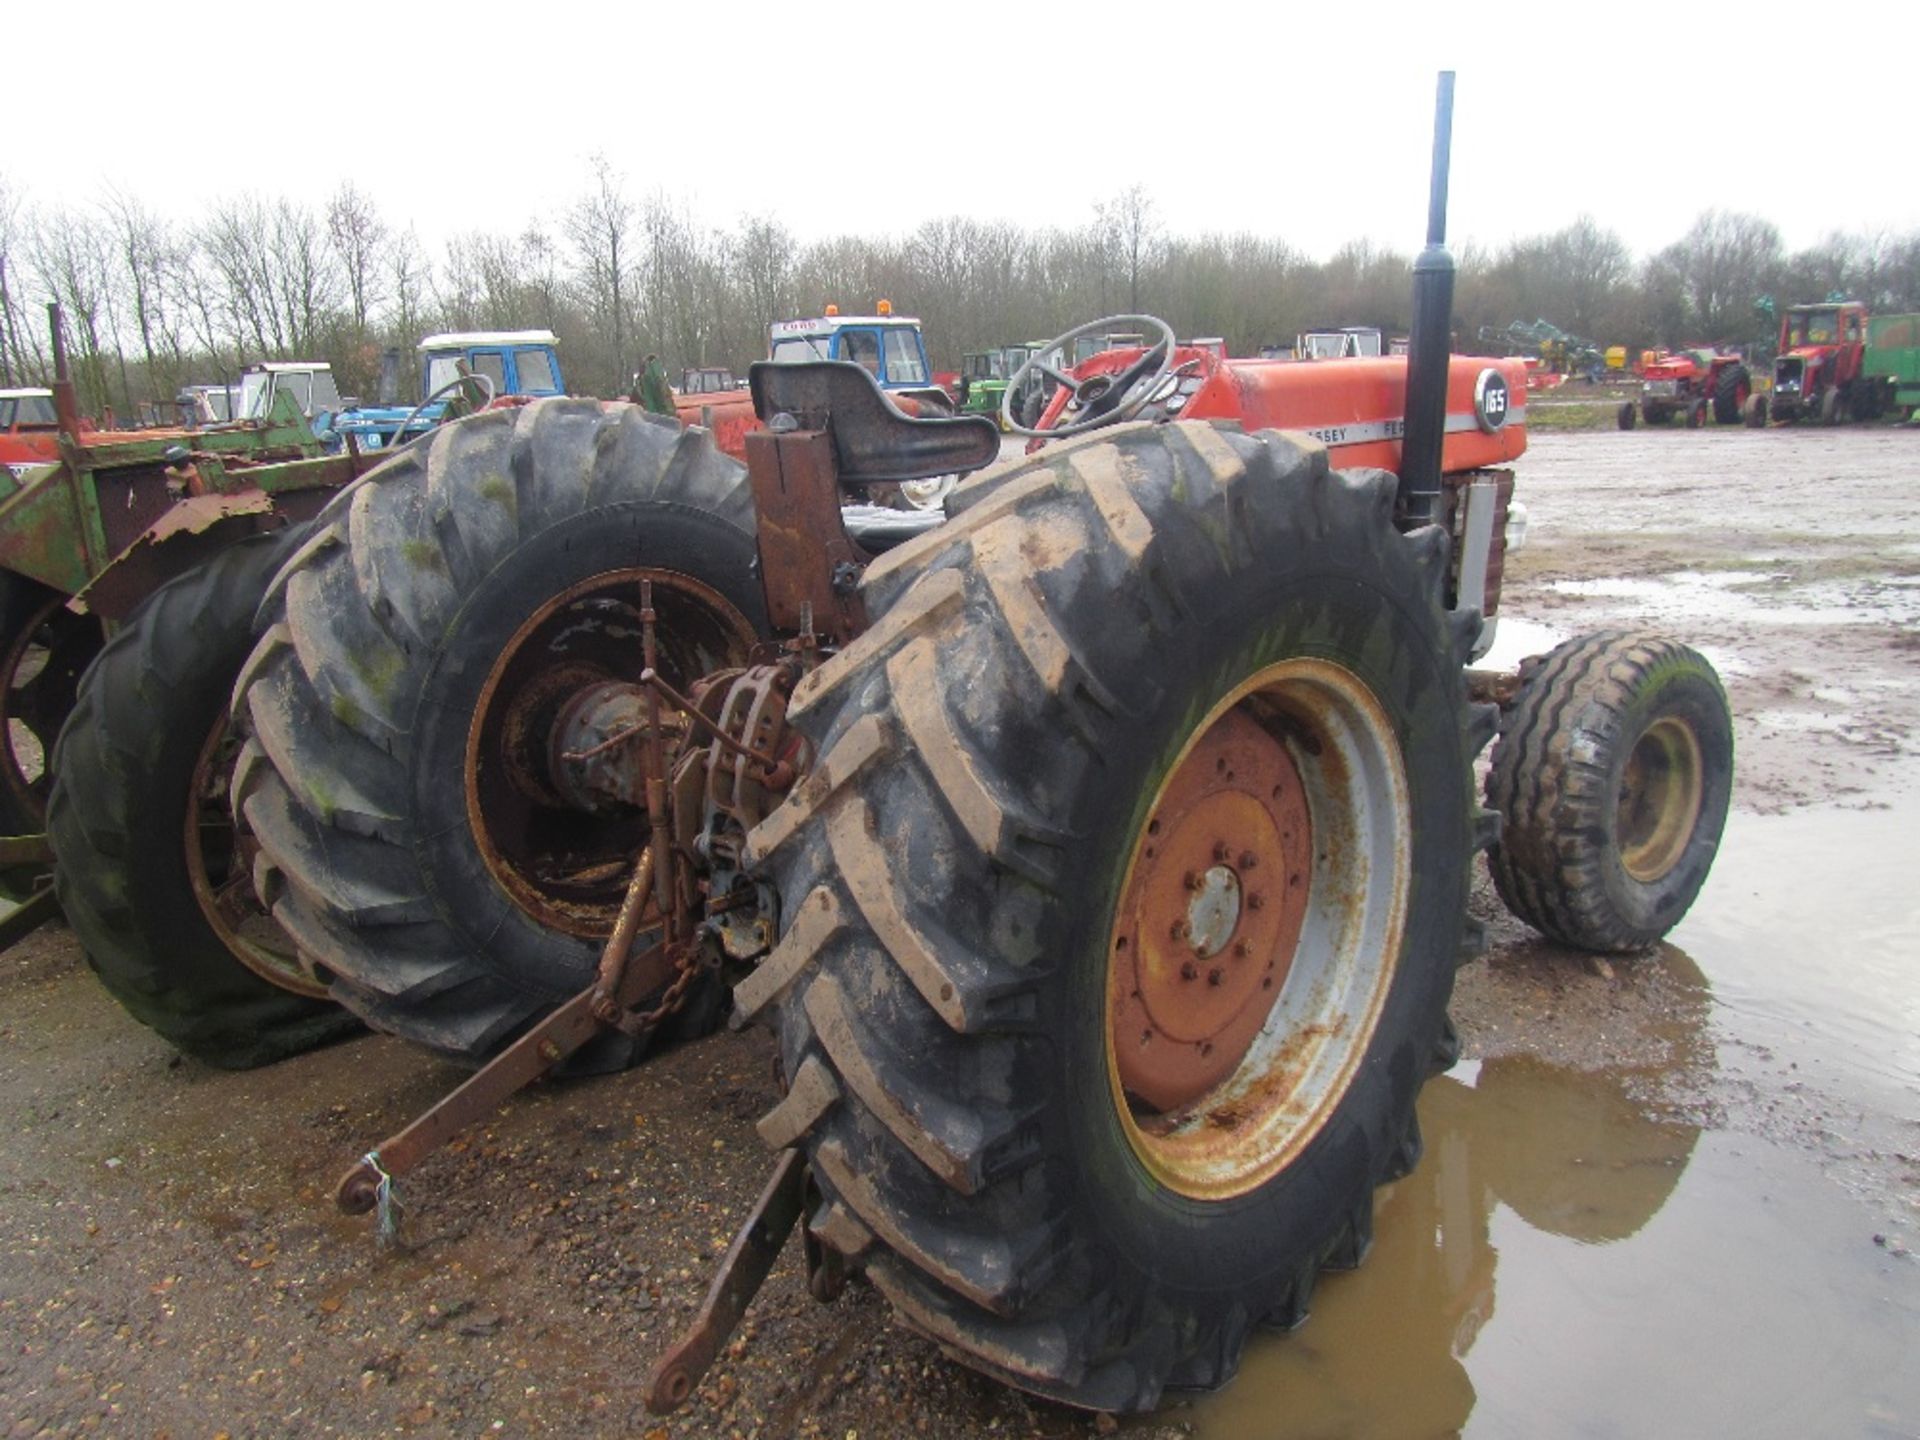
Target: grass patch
(1573,414)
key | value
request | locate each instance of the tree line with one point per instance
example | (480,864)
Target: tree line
(152,303)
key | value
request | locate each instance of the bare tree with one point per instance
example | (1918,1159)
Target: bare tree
(19,357)
(1723,264)
(1134,233)
(599,226)
(357,233)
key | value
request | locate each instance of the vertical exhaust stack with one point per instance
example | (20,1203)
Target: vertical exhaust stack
(66,404)
(1431,341)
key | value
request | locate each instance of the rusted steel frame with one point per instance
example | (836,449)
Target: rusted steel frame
(526,1060)
(25,850)
(809,565)
(1492,687)
(29,917)
(748,1262)
(66,405)
(619,947)
(659,822)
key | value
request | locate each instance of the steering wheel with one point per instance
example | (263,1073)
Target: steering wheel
(1105,399)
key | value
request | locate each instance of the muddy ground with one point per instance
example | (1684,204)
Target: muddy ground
(170,1263)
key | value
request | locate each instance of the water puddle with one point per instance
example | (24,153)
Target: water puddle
(1639,1253)
(1756,598)
(1561,1264)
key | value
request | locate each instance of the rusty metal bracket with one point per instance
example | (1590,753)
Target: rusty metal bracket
(749,1260)
(809,565)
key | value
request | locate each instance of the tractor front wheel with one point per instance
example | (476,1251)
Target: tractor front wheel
(1625,419)
(417,836)
(154,876)
(1754,412)
(1612,775)
(1121,912)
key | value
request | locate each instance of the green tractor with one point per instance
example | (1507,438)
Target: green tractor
(131,568)
(984,376)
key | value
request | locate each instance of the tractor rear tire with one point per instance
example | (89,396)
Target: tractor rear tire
(1613,774)
(144,860)
(44,650)
(1627,416)
(1105,651)
(402,693)
(1754,412)
(1730,394)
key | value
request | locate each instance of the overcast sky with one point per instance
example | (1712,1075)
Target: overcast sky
(1307,122)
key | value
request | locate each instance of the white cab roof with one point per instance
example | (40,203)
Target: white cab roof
(27,394)
(801,329)
(466,339)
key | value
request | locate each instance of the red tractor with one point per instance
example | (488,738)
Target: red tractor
(1097,846)
(1688,382)
(1817,376)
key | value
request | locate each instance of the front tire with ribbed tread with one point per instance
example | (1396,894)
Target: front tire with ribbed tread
(123,792)
(949,871)
(1563,779)
(380,640)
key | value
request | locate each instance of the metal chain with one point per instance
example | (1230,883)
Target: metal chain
(673,999)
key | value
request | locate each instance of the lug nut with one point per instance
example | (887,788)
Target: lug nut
(1248,860)
(1193,880)
(1189,970)
(1216,975)
(1221,852)
(1181,929)
(1255,900)
(1243,949)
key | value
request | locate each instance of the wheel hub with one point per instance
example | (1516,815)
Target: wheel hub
(1258,928)
(1661,793)
(1210,918)
(557,826)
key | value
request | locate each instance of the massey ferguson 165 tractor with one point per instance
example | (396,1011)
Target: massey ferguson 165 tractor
(1687,382)
(1096,848)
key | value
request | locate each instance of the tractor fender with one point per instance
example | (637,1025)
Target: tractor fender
(190,533)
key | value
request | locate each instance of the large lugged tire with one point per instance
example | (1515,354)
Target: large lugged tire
(150,871)
(1730,394)
(401,697)
(1163,671)
(44,650)
(1613,773)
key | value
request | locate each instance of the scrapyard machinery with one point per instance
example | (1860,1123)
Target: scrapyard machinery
(131,564)
(1097,848)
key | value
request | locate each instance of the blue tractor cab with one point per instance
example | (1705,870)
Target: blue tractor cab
(889,346)
(510,362)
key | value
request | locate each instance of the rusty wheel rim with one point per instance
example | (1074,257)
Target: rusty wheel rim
(39,677)
(1258,929)
(564,867)
(1661,791)
(220,851)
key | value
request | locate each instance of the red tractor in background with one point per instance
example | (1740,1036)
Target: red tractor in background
(1688,382)
(1818,375)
